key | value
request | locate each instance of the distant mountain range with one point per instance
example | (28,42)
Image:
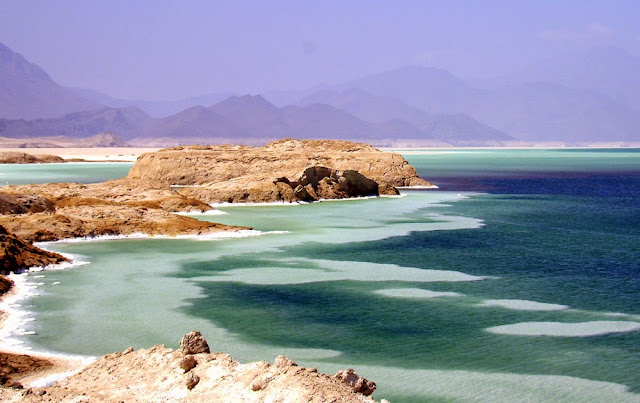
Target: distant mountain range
(27,91)
(575,99)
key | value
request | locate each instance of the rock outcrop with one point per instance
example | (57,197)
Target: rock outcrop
(158,374)
(118,207)
(94,220)
(262,174)
(13,157)
(16,254)
(24,203)
(13,366)
(134,193)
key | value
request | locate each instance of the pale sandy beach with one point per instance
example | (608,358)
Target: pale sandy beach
(93,154)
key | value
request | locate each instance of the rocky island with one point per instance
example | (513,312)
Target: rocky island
(9,157)
(285,170)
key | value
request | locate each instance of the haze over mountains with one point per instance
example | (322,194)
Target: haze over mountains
(578,98)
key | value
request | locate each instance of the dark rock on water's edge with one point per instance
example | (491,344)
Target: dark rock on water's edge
(17,254)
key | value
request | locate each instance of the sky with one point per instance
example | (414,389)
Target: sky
(159,49)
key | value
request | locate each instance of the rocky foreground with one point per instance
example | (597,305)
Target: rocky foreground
(194,374)
(285,170)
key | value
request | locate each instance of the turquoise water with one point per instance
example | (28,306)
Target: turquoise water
(508,285)
(83,172)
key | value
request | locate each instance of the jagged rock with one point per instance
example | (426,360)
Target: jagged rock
(283,362)
(188,363)
(194,343)
(24,203)
(17,254)
(192,380)
(150,375)
(248,174)
(358,383)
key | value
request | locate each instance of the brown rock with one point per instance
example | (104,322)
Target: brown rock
(188,363)
(247,174)
(192,380)
(98,220)
(13,157)
(13,366)
(284,362)
(24,203)
(16,254)
(149,375)
(358,383)
(194,343)
(5,286)
(135,193)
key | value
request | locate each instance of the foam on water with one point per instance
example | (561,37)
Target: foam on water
(201,213)
(560,329)
(418,187)
(17,318)
(328,270)
(198,237)
(522,305)
(416,293)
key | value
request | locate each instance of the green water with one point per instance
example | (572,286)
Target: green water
(526,290)
(83,172)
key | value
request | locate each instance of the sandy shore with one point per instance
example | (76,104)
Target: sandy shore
(93,154)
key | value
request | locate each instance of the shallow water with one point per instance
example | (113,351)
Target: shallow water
(83,172)
(525,289)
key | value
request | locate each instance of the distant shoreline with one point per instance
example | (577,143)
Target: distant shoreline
(100,154)
(119,154)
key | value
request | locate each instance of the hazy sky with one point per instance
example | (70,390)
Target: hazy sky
(171,49)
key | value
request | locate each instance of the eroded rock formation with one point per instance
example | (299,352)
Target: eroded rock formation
(263,174)
(118,207)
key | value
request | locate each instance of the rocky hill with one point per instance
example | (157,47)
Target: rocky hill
(278,171)
(27,91)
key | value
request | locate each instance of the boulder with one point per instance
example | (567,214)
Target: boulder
(194,343)
(358,383)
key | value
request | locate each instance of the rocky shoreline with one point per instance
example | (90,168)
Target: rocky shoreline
(146,202)
(195,374)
